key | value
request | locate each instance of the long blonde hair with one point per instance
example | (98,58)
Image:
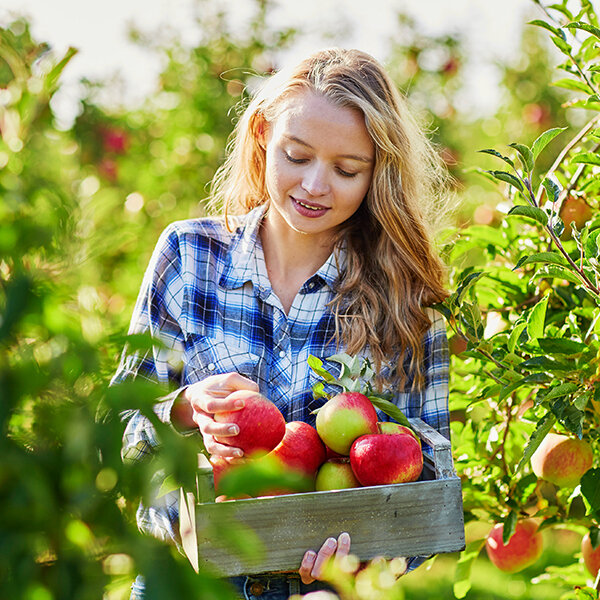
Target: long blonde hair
(392,267)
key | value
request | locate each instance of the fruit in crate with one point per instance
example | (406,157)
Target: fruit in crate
(301,449)
(391,427)
(261,424)
(591,556)
(344,418)
(522,550)
(386,458)
(561,459)
(336,474)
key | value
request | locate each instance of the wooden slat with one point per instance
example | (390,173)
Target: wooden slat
(398,520)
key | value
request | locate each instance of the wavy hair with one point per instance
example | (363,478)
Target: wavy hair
(392,269)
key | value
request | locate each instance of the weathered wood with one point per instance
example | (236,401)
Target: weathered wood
(409,519)
(419,518)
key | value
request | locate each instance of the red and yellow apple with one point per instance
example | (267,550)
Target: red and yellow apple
(392,427)
(344,418)
(336,474)
(301,449)
(574,210)
(260,422)
(591,556)
(561,459)
(386,458)
(523,549)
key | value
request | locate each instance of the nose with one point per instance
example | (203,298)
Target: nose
(314,180)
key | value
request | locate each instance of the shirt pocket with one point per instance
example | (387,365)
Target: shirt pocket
(207,356)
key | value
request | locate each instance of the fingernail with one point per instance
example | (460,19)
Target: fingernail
(330,543)
(344,538)
(238,453)
(238,404)
(234,430)
(308,557)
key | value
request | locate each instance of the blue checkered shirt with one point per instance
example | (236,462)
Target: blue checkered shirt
(206,295)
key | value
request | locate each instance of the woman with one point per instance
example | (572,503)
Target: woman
(330,195)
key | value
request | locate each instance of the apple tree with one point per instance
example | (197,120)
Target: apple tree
(526,306)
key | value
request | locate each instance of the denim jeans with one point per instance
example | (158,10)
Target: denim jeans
(255,587)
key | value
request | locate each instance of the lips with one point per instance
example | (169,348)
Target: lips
(309,205)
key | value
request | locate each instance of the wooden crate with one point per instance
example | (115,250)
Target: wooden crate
(406,519)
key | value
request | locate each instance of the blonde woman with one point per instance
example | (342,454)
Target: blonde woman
(329,199)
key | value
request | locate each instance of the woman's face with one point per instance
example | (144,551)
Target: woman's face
(319,165)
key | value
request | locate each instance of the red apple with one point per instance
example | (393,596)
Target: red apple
(344,418)
(562,460)
(574,209)
(386,458)
(261,424)
(591,556)
(392,427)
(336,474)
(523,549)
(301,448)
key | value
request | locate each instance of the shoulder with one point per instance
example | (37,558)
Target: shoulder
(438,323)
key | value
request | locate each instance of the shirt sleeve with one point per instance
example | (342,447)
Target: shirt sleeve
(157,312)
(435,411)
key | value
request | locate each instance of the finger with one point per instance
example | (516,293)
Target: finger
(308,562)
(343,545)
(209,403)
(325,553)
(218,430)
(213,447)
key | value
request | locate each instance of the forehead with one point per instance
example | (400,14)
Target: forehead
(310,116)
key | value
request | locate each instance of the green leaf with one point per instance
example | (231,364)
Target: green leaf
(543,427)
(509,525)
(555,30)
(526,155)
(572,84)
(531,212)
(557,272)
(595,31)
(493,152)
(561,346)
(586,158)
(462,575)
(537,319)
(391,410)
(316,364)
(507,178)
(590,489)
(544,139)
(563,389)
(552,189)
(570,416)
(561,44)
(466,282)
(514,336)
(553,258)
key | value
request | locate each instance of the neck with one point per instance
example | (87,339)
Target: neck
(292,257)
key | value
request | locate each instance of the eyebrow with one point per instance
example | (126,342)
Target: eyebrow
(357,157)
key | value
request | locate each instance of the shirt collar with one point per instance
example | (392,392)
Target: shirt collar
(246,262)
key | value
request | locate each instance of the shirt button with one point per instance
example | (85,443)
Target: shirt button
(311,285)
(211,367)
(282,354)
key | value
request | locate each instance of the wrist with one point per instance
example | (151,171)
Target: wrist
(182,413)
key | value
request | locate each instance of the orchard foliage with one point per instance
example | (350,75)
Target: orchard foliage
(526,300)
(80,212)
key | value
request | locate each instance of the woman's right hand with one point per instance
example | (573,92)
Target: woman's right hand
(213,395)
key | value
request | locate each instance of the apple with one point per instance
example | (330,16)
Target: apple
(301,449)
(336,474)
(392,427)
(261,424)
(523,549)
(386,458)
(574,209)
(344,418)
(591,556)
(562,460)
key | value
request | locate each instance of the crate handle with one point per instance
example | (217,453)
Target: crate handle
(442,449)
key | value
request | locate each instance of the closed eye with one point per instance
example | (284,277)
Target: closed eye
(294,160)
(346,173)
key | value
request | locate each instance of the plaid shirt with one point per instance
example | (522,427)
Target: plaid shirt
(206,294)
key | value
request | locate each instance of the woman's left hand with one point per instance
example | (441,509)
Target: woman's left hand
(313,563)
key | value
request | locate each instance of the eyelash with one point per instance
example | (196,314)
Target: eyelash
(298,161)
